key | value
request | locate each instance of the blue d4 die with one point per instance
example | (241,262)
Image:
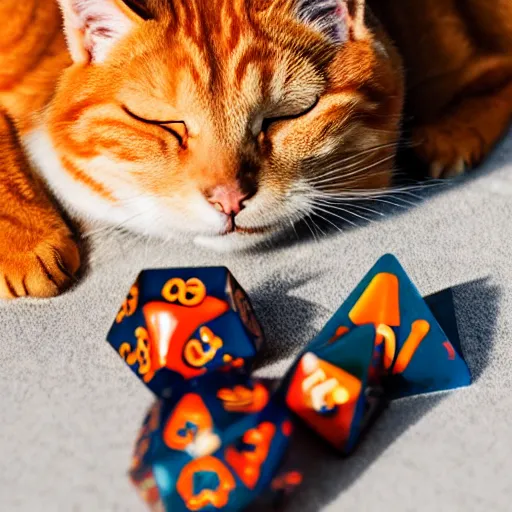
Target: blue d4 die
(418,356)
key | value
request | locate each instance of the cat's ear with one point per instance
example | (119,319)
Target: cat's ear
(93,27)
(338,20)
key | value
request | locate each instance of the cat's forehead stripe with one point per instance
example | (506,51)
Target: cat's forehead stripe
(220,42)
(209,19)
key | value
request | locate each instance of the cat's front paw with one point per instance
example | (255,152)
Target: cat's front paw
(41,270)
(462,138)
(448,153)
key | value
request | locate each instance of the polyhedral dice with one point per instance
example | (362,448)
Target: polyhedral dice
(383,343)
(215,447)
(178,325)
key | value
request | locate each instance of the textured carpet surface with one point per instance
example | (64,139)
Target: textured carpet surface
(70,409)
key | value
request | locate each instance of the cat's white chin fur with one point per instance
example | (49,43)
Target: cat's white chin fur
(230,243)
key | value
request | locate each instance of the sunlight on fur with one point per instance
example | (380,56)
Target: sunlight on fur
(230,121)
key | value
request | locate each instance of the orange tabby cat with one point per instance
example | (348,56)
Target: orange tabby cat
(227,119)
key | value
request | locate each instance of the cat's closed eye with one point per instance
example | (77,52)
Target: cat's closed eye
(176,128)
(269,121)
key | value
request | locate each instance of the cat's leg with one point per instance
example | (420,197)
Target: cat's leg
(38,256)
(460,138)
(458,59)
(467,128)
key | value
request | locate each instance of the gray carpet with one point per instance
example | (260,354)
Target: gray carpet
(70,409)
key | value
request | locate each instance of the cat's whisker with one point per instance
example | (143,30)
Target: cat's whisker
(336,160)
(369,210)
(317,226)
(135,240)
(298,216)
(341,175)
(338,207)
(352,201)
(397,205)
(337,167)
(305,219)
(336,184)
(377,198)
(330,222)
(115,227)
(124,201)
(305,214)
(415,185)
(318,208)
(350,212)
(411,194)
(348,193)
(348,179)
(292,224)
(347,159)
(356,176)
(99,231)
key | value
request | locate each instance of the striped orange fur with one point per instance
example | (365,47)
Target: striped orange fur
(224,119)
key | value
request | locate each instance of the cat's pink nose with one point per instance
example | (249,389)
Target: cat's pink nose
(228,199)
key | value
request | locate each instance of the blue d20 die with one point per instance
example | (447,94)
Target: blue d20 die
(163,329)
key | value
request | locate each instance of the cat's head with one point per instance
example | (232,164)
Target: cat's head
(229,119)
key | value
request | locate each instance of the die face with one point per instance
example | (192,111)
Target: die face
(221,343)
(215,410)
(167,284)
(180,324)
(313,397)
(256,456)
(331,391)
(190,427)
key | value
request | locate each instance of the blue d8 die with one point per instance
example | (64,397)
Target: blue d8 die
(177,325)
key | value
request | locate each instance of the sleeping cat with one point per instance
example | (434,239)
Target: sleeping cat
(228,119)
